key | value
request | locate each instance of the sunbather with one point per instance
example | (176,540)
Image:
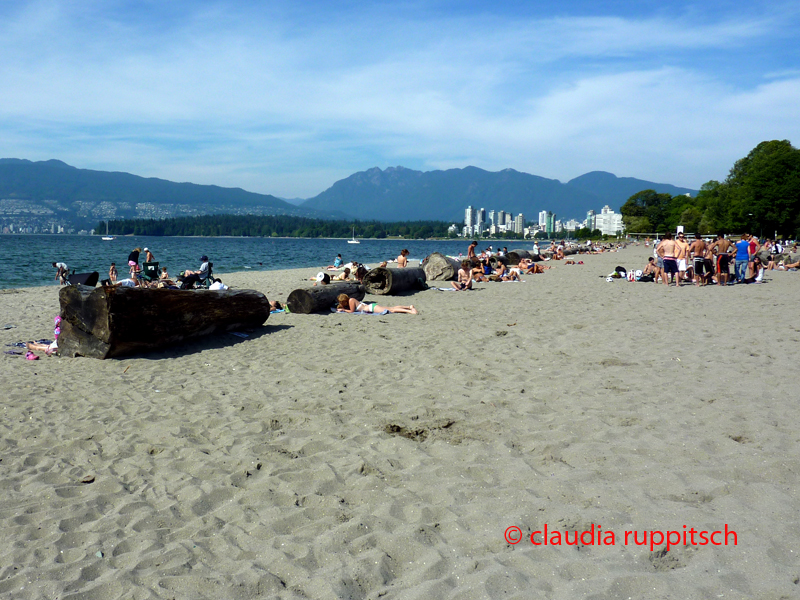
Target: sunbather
(351,305)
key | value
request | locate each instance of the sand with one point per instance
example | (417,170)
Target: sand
(346,456)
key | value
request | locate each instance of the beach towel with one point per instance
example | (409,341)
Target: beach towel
(272,312)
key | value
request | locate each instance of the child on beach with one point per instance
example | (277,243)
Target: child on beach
(351,305)
(112,273)
(464,277)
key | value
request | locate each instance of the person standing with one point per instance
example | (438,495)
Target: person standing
(62,272)
(697,252)
(133,263)
(722,246)
(112,273)
(681,255)
(742,258)
(667,251)
(148,256)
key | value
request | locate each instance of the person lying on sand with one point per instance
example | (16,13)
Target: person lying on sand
(351,305)
(343,276)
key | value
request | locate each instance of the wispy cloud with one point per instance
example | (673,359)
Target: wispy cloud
(276,101)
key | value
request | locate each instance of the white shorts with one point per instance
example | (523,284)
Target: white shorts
(681,264)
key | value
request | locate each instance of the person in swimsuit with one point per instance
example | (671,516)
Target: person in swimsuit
(723,258)
(351,305)
(681,255)
(697,252)
(464,277)
(667,250)
(402,261)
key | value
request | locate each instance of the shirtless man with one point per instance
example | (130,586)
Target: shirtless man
(681,255)
(723,258)
(667,250)
(464,276)
(697,250)
(471,251)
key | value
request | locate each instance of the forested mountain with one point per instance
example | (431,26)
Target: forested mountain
(82,196)
(399,193)
(614,191)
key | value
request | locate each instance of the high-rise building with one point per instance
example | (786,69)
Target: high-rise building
(590,220)
(543,218)
(501,217)
(469,217)
(492,218)
(519,224)
(482,215)
(608,222)
(550,224)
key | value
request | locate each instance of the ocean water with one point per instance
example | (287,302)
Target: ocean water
(26,260)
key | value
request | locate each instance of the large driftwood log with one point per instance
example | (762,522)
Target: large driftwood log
(383,281)
(320,298)
(514,256)
(113,321)
(439,267)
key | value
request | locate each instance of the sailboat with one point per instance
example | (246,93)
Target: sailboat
(106,237)
(354,240)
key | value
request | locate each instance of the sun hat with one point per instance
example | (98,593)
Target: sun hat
(147,249)
(320,276)
(204,258)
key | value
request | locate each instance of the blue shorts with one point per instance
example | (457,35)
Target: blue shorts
(670,265)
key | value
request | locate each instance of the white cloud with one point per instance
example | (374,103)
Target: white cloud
(264,100)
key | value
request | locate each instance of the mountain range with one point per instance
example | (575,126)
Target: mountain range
(49,191)
(398,193)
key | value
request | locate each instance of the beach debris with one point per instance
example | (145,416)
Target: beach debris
(439,267)
(500,333)
(9,326)
(383,281)
(87,479)
(319,299)
(113,321)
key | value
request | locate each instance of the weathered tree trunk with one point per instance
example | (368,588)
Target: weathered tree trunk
(495,260)
(113,321)
(320,298)
(383,281)
(514,256)
(439,267)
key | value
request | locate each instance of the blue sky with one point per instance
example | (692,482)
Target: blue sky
(285,98)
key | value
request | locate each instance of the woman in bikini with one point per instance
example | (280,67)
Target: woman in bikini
(351,305)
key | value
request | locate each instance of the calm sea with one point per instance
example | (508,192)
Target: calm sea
(26,260)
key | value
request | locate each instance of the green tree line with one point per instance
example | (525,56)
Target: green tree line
(761,195)
(273,226)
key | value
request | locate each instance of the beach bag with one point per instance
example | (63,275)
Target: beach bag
(218,285)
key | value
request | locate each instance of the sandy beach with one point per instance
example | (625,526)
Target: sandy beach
(364,457)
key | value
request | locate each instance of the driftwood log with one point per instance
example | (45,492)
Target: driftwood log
(113,321)
(320,298)
(439,267)
(383,281)
(514,256)
(496,260)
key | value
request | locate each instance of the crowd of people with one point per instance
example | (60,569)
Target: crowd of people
(701,262)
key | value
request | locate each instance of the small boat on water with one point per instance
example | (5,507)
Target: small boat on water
(106,237)
(354,240)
